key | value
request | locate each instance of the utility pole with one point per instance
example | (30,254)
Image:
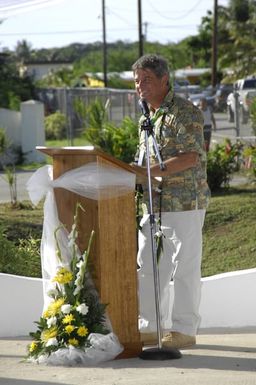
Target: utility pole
(214,44)
(140,29)
(145,31)
(105,77)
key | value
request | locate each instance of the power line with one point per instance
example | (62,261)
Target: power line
(13,7)
(65,32)
(152,26)
(17,4)
(119,16)
(184,26)
(174,18)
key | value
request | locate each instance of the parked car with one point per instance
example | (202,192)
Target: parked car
(221,96)
(180,88)
(196,94)
(244,90)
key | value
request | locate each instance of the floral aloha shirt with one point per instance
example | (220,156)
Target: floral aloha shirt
(177,127)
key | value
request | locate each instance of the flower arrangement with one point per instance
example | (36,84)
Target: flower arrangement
(74,311)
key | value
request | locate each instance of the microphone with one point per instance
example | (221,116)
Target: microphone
(144,107)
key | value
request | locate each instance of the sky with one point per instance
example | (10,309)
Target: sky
(57,23)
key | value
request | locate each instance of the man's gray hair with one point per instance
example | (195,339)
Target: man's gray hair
(157,64)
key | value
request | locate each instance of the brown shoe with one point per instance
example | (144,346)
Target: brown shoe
(178,340)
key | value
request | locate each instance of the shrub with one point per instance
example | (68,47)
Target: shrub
(222,161)
(10,154)
(97,113)
(253,115)
(3,141)
(22,259)
(55,126)
(14,101)
(125,140)
(250,160)
(119,141)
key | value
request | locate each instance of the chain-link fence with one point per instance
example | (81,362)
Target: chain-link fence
(122,103)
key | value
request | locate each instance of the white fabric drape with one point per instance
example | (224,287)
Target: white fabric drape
(93,181)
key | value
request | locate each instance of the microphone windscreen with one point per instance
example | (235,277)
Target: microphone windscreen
(144,107)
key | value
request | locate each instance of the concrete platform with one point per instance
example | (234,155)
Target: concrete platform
(217,359)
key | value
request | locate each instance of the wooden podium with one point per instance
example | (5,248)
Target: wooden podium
(113,255)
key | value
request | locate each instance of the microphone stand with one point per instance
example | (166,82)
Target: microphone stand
(160,352)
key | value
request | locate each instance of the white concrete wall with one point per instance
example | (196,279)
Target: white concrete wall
(32,130)
(228,301)
(21,303)
(26,128)
(10,121)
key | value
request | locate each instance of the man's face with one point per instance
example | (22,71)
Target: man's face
(150,87)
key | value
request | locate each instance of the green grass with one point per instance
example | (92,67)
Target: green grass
(20,233)
(230,232)
(228,237)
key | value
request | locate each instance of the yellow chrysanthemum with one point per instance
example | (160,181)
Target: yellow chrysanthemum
(54,307)
(63,276)
(68,319)
(73,341)
(32,346)
(46,314)
(82,331)
(69,328)
(49,333)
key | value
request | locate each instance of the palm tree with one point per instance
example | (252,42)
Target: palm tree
(23,51)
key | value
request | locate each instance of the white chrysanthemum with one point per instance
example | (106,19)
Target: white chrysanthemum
(82,308)
(66,309)
(51,321)
(52,342)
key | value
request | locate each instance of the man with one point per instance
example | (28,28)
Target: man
(181,205)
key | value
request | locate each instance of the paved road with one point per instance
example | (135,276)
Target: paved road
(22,178)
(224,130)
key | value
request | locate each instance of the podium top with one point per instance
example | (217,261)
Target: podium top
(84,150)
(76,150)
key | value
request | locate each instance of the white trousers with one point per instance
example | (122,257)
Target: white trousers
(180,262)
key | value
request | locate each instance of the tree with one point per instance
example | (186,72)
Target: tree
(236,50)
(61,78)
(239,51)
(23,51)
(13,88)
(240,10)
(200,45)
